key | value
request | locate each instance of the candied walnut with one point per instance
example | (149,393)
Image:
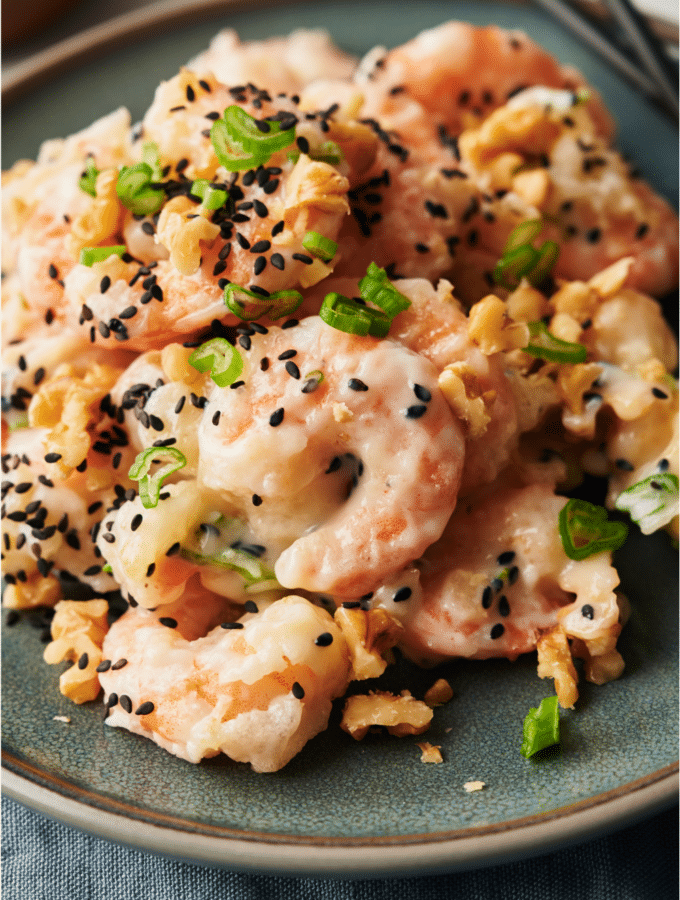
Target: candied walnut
(31,593)
(610,280)
(599,669)
(430,753)
(460,385)
(401,715)
(576,298)
(78,631)
(100,223)
(182,236)
(526,130)
(313,186)
(175,364)
(493,330)
(440,692)
(533,186)
(69,405)
(554,661)
(369,635)
(526,303)
(573,381)
(471,786)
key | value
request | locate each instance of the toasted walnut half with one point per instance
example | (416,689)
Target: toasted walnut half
(69,405)
(182,236)
(78,631)
(461,387)
(369,634)
(401,715)
(554,661)
(493,330)
(312,187)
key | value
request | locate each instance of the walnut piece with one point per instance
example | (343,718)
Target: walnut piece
(369,634)
(34,592)
(493,330)
(554,661)
(430,753)
(78,631)
(100,223)
(181,236)
(440,692)
(401,715)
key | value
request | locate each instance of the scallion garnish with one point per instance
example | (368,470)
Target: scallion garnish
(328,152)
(545,345)
(242,142)
(541,727)
(249,305)
(375,287)
(652,502)
(135,185)
(586,530)
(170,460)
(88,180)
(318,245)
(218,357)
(351,317)
(224,543)
(212,198)
(91,255)
(521,259)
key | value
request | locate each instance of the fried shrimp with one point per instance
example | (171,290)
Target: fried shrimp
(499,578)
(373,400)
(257,689)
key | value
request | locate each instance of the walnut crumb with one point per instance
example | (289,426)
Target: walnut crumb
(401,715)
(440,692)
(471,786)
(430,753)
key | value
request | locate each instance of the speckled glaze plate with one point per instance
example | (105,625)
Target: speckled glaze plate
(342,807)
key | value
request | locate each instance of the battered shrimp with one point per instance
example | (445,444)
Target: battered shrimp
(540,156)
(282,63)
(256,691)
(460,73)
(274,438)
(498,578)
(41,202)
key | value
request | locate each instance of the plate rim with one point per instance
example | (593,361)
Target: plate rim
(261,851)
(368,857)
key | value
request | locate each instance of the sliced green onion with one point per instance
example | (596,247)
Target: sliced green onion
(107,569)
(249,305)
(318,245)
(547,257)
(212,198)
(152,159)
(545,345)
(652,502)
(515,265)
(351,317)
(135,192)
(88,180)
(586,530)
(524,233)
(170,459)
(223,546)
(242,142)
(541,727)
(91,255)
(218,357)
(375,287)
(316,374)
(328,152)
(19,422)
(283,303)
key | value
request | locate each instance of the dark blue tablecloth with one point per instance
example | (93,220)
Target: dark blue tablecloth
(43,860)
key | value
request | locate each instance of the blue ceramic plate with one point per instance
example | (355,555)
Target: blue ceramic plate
(343,807)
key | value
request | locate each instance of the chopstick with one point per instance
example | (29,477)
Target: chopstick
(591,36)
(648,49)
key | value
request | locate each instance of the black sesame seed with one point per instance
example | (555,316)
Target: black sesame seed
(171,551)
(402,594)
(506,557)
(104,284)
(250,606)
(151,568)
(52,457)
(278,261)
(126,703)
(259,265)
(112,700)
(663,465)
(334,465)
(245,341)
(422,393)
(136,522)
(109,538)
(290,323)
(297,690)
(276,417)
(145,708)
(180,404)
(587,611)
(503,606)
(624,465)
(356,384)
(325,639)
(168,621)
(92,570)
(496,584)
(513,574)
(593,235)
(104,666)
(487,597)
(497,631)
(661,395)
(642,230)
(231,626)
(292,369)
(415,412)
(83,661)
(303,258)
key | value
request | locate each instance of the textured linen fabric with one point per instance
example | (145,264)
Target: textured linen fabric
(43,860)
